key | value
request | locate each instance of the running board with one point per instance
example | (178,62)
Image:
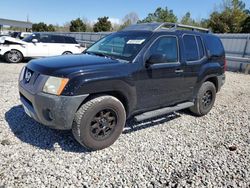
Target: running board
(162,111)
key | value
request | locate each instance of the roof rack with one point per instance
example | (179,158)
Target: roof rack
(175,26)
(157,26)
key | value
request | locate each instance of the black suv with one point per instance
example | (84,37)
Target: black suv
(143,71)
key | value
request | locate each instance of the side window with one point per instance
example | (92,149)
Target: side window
(70,40)
(201,47)
(191,49)
(57,39)
(166,46)
(44,38)
(214,46)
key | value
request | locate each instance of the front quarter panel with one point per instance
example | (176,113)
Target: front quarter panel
(105,80)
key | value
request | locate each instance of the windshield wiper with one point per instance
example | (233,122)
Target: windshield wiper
(100,54)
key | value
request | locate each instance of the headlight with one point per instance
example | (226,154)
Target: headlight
(55,85)
(21,75)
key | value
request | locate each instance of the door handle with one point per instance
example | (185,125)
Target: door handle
(179,70)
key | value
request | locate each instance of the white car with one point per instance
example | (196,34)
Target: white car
(37,45)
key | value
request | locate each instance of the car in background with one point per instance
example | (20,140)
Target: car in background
(20,35)
(38,45)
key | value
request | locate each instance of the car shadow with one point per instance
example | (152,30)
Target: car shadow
(133,126)
(29,131)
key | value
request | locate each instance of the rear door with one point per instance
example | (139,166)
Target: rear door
(194,57)
(57,45)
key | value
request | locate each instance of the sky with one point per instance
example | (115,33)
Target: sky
(62,11)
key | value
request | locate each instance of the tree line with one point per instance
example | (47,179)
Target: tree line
(231,16)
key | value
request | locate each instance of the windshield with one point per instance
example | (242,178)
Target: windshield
(122,45)
(31,37)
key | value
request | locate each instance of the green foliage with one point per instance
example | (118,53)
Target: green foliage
(40,27)
(77,25)
(246,25)
(103,24)
(51,28)
(160,15)
(230,19)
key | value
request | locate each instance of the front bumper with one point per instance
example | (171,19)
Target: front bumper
(53,111)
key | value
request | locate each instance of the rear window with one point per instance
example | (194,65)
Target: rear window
(191,49)
(57,39)
(70,40)
(214,46)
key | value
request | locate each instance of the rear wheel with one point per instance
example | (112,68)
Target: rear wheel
(99,122)
(205,99)
(13,56)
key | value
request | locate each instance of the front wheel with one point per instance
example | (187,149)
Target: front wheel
(205,99)
(13,56)
(99,122)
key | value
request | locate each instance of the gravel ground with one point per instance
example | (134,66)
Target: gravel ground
(177,150)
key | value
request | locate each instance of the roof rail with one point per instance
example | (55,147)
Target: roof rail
(181,26)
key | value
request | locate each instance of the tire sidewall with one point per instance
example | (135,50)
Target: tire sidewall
(10,61)
(85,136)
(207,86)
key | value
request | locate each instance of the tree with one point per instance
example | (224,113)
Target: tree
(51,28)
(103,24)
(187,20)
(160,15)
(40,27)
(77,25)
(246,25)
(229,19)
(131,18)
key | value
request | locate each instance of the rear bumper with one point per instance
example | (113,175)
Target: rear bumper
(221,81)
(53,111)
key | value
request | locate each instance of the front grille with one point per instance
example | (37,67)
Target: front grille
(30,77)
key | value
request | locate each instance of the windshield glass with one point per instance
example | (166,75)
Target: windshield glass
(31,37)
(122,45)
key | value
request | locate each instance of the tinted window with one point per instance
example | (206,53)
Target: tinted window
(201,47)
(214,46)
(57,39)
(70,40)
(31,37)
(45,38)
(191,50)
(167,46)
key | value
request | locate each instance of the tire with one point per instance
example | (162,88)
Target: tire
(67,53)
(13,56)
(99,122)
(205,99)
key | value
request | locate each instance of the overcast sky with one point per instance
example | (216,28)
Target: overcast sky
(61,11)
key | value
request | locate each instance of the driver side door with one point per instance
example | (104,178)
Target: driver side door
(161,84)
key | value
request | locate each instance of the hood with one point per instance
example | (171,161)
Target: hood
(11,40)
(67,64)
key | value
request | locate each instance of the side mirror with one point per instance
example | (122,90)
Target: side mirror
(34,40)
(156,58)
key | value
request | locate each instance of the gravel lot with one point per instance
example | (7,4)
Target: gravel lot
(176,150)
